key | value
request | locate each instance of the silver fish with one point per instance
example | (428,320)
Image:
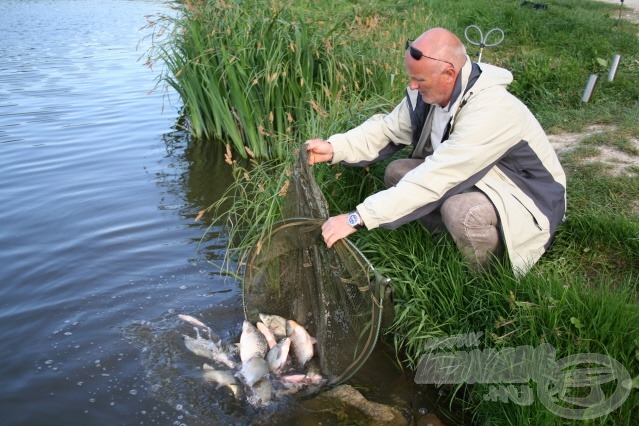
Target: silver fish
(301,342)
(192,320)
(207,349)
(296,384)
(277,356)
(281,393)
(268,334)
(290,387)
(222,378)
(252,342)
(276,323)
(254,370)
(200,326)
(261,394)
(314,373)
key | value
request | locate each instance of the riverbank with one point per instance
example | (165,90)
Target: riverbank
(581,298)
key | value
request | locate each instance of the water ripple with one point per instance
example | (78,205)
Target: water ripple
(98,194)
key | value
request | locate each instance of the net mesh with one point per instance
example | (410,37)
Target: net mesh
(334,293)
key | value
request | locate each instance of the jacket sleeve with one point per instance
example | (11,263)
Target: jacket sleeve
(483,132)
(377,138)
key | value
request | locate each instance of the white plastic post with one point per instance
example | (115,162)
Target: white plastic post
(590,86)
(613,67)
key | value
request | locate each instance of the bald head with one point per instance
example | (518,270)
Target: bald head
(433,63)
(444,45)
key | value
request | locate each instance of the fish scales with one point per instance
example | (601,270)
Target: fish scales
(301,342)
(252,342)
(254,370)
(276,324)
(277,356)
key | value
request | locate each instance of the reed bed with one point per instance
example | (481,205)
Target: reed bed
(249,72)
(581,297)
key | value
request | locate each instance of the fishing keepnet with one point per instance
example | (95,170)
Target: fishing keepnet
(334,293)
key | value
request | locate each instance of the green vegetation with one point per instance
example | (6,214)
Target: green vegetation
(248,72)
(583,295)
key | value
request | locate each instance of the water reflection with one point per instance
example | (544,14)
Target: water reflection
(99,191)
(97,210)
(195,173)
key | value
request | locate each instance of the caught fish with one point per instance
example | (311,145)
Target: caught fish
(261,394)
(252,342)
(302,379)
(300,384)
(254,370)
(199,325)
(289,385)
(293,378)
(289,389)
(268,334)
(276,324)
(301,342)
(222,378)
(314,373)
(192,320)
(277,356)
(207,349)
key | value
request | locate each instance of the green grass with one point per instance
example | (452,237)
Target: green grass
(247,70)
(581,297)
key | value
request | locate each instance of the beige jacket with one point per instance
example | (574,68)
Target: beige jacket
(494,144)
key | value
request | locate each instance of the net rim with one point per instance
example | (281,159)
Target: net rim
(375,286)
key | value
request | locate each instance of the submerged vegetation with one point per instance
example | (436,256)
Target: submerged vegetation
(263,76)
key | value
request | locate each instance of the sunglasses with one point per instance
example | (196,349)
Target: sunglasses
(417,54)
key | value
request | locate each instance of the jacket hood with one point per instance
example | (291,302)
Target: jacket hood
(486,76)
(489,76)
(492,76)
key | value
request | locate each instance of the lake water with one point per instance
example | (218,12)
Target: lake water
(98,244)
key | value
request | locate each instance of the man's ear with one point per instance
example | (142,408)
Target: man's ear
(450,73)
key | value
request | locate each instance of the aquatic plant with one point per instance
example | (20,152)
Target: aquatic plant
(582,295)
(248,71)
(580,298)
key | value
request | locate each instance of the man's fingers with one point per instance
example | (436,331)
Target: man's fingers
(329,241)
(327,235)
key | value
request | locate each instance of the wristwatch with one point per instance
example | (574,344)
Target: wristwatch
(355,220)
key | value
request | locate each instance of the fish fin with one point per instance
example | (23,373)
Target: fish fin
(235,389)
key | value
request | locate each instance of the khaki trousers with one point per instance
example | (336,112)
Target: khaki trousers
(469,217)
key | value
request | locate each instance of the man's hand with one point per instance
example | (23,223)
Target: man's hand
(336,228)
(319,151)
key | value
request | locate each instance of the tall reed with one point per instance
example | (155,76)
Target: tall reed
(248,71)
(582,295)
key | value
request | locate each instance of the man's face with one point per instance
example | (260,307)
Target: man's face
(426,76)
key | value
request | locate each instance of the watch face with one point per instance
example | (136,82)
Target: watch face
(353,219)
